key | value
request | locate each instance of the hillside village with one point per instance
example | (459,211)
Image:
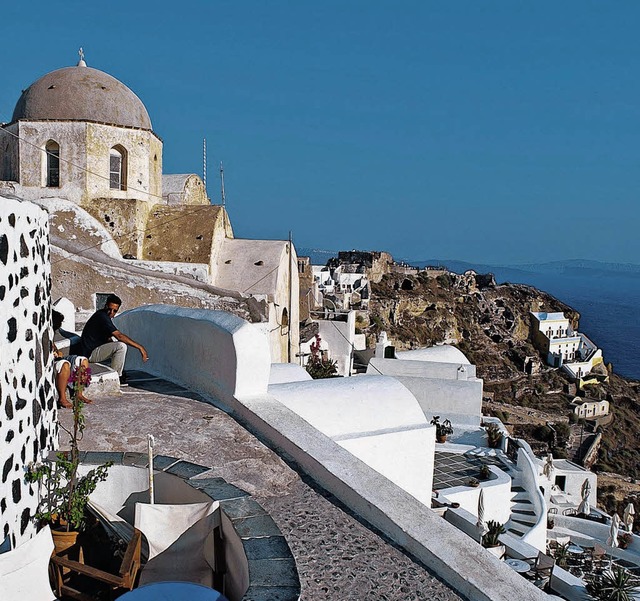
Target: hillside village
(456,399)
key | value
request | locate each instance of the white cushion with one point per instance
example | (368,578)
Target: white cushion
(24,572)
(180,541)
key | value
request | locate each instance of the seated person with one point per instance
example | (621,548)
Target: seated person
(96,341)
(63,365)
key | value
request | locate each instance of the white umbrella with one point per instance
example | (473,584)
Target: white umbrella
(612,541)
(584,504)
(547,468)
(627,518)
(481,524)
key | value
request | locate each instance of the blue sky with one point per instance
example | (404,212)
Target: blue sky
(499,132)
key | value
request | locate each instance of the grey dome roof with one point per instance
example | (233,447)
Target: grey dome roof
(81,94)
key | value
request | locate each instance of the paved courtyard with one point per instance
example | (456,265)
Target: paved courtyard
(456,469)
(338,557)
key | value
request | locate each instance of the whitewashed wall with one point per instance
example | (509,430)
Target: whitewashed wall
(28,426)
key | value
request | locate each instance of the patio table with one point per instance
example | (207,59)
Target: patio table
(173,591)
(518,565)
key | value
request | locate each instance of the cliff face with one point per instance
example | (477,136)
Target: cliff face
(489,323)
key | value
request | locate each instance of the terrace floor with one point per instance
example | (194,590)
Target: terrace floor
(456,469)
(338,557)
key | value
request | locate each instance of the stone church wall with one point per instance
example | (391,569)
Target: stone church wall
(28,426)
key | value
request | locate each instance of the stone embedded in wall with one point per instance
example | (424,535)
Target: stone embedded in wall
(28,428)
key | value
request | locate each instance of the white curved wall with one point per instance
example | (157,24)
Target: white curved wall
(443,353)
(375,418)
(213,351)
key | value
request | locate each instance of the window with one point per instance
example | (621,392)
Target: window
(52,150)
(118,168)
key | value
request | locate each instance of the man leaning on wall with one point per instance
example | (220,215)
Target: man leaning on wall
(97,339)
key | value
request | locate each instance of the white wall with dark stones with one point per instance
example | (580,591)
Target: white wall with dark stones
(28,426)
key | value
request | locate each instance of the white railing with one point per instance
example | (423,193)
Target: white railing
(537,535)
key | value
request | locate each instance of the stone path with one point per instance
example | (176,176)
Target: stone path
(338,558)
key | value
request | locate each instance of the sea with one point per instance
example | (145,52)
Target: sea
(607,296)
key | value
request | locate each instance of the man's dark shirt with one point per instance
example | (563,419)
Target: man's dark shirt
(97,331)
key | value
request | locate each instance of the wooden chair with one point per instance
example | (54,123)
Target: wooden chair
(65,571)
(541,571)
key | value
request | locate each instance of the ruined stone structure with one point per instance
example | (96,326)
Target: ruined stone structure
(28,429)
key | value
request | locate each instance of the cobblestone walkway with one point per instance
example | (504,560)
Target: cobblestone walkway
(338,558)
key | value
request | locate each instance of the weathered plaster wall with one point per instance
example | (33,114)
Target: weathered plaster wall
(144,162)
(84,160)
(28,427)
(184,234)
(261,267)
(121,219)
(32,159)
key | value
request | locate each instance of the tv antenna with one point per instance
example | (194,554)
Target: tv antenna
(204,163)
(222,183)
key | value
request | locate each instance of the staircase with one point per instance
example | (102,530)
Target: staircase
(523,515)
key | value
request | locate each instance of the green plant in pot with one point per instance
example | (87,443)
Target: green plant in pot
(443,429)
(494,435)
(485,472)
(492,537)
(617,584)
(63,493)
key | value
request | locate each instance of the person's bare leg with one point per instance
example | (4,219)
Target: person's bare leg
(84,399)
(62,379)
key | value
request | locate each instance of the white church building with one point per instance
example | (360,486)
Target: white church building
(80,136)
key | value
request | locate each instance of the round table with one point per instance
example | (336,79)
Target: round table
(518,565)
(575,549)
(173,591)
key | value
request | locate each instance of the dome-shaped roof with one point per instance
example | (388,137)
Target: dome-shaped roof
(441,353)
(81,94)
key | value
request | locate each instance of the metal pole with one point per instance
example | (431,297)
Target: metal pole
(204,163)
(290,301)
(222,183)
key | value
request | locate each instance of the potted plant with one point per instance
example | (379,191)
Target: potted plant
(63,494)
(443,429)
(318,366)
(473,482)
(485,472)
(494,435)
(491,539)
(616,583)
(625,539)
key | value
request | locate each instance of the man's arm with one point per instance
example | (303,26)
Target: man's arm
(124,338)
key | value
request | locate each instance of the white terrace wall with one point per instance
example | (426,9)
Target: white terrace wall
(212,351)
(28,427)
(449,390)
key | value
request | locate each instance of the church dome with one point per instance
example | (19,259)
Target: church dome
(81,94)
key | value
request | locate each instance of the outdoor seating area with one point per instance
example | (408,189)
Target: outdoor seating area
(586,562)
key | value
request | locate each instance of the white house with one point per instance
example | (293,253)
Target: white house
(564,347)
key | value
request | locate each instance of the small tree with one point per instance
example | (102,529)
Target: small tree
(317,366)
(64,500)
